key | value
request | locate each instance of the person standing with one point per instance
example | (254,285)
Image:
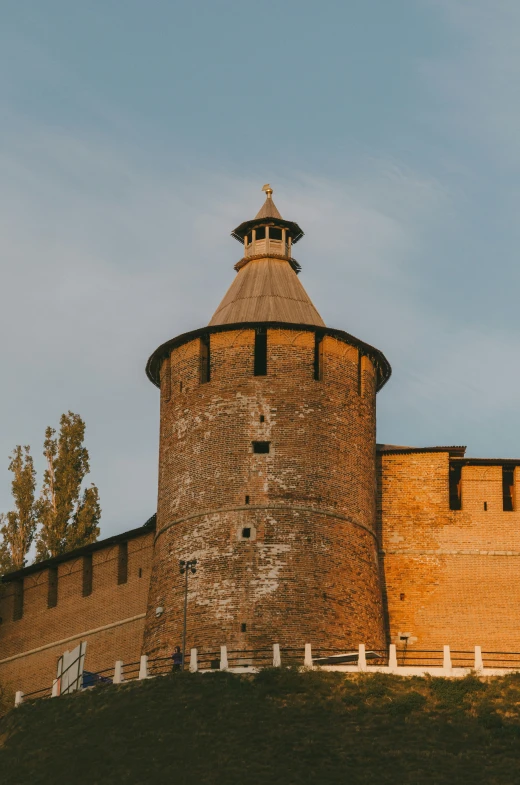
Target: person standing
(177,659)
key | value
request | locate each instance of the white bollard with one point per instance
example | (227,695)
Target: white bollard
(479,663)
(223,658)
(307,661)
(118,672)
(392,657)
(277,659)
(18,698)
(362,660)
(193,661)
(446,659)
(143,667)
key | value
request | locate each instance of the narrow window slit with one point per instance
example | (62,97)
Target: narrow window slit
(360,374)
(455,487)
(87,576)
(52,588)
(246,533)
(18,600)
(318,357)
(243,627)
(205,359)
(260,352)
(122,563)
(247,499)
(508,488)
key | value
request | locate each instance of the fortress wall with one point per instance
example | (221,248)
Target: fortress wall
(452,576)
(74,615)
(308,572)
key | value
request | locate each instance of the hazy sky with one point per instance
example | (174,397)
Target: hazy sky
(134,135)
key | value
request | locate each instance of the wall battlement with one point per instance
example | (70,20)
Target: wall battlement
(448,569)
(92,596)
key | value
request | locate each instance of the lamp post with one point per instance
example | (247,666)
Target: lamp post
(185,568)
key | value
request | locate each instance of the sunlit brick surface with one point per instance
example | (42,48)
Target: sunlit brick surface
(451,575)
(308,573)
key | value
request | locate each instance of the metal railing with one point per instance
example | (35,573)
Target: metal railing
(501,659)
(443,662)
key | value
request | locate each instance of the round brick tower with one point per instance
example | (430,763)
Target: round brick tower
(267,470)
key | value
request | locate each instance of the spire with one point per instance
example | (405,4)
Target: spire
(268,213)
(268,209)
(267,288)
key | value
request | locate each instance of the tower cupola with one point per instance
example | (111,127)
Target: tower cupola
(267,287)
(268,234)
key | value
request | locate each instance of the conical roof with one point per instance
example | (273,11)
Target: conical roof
(268,209)
(267,288)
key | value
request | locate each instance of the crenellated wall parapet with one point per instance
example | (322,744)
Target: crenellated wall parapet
(97,593)
(450,560)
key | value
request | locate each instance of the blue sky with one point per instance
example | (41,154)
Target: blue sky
(135,135)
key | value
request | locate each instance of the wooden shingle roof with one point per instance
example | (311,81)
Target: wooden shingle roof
(267,290)
(268,210)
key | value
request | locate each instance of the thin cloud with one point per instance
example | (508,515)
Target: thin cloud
(104,257)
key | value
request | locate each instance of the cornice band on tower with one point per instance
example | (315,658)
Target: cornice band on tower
(383,367)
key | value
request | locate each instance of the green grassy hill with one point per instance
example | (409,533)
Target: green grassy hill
(280,727)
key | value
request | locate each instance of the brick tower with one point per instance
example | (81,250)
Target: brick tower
(266,467)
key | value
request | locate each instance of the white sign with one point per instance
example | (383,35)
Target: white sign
(70,670)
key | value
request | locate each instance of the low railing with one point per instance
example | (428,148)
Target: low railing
(403,661)
(501,659)
(268,245)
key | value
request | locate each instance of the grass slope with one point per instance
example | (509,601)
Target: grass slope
(278,727)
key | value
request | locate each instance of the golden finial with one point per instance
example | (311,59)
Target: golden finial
(267,188)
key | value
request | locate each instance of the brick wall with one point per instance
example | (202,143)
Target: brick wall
(451,575)
(308,572)
(74,615)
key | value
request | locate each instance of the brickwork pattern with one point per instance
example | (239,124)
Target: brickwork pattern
(451,576)
(308,572)
(74,615)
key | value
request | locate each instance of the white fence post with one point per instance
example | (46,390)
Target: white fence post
(277,659)
(392,657)
(143,667)
(446,659)
(118,672)
(18,698)
(193,661)
(307,660)
(223,658)
(479,663)
(362,660)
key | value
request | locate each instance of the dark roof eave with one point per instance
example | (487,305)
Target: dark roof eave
(240,232)
(141,531)
(455,451)
(487,461)
(383,367)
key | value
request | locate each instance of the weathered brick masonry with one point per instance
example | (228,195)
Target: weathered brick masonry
(452,576)
(31,645)
(308,572)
